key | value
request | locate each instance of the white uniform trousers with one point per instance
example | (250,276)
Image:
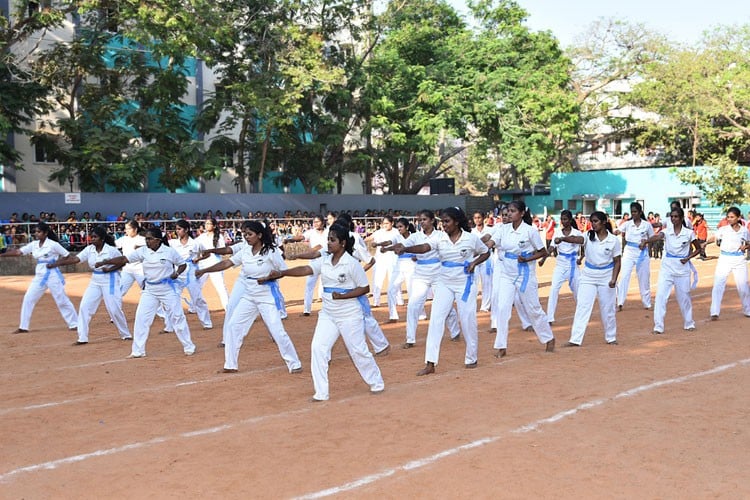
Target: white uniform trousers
(375,334)
(485,273)
(587,293)
(327,331)
(310,283)
(197,302)
(152,297)
(217,280)
(57,289)
(420,288)
(238,291)
(442,305)
(520,309)
(738,267)
(90,301)
(643,272)
(243,316)
(528,302)
(383,269)
(560,275)
(681,286)
(127,280)
(395,297)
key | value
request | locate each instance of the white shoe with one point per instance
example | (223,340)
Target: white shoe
(189,353)
(133,356)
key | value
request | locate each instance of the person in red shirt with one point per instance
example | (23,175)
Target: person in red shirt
(549,230)
(701,233)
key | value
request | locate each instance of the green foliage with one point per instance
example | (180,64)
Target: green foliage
(725,184)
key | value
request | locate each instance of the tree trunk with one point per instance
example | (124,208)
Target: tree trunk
(240,165)
(264,154)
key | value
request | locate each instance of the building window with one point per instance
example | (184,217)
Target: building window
(558,205)
(41,155)
(572,205)
(618,145)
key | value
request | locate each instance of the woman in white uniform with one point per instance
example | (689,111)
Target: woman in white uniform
(403,271)
(161,266)
(425,277)
(210,238)
(46,250)
(733,242)
(104,284)
(566,262)
(484,271)
(317,239)
(602,251)
(132,273)
(190,250)
(345,290)
(459,252)
(258,259)
(635,235)
(520,244)
(676,270)
(384,261)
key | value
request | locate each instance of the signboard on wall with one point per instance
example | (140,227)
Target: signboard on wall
(72,198)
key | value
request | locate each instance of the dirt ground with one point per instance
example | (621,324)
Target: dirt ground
(653,417)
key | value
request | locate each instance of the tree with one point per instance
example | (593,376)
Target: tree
(724,183)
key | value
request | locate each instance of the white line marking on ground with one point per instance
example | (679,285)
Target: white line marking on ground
(416,464)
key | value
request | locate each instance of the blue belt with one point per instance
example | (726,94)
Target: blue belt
(523,268)
(643,253)
(571,257)
(693,270)
(406,256)
(488,268)
(424,262)
(191,267)
(469,277)
(599,268)
(732,254)
(112,279)
(49,271)
(165,281)
(362,299)
(275,291)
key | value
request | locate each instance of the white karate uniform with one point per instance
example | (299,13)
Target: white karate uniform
(519,278)
(731,260)
(484,272)
(160,290)
(263,299)
(594,284)
(384,263)
(206,241)
(675,274)
(50,251)
(566,269)
(132,272)
(634,257)
(313,238)
(344,317)
(189,251)
(426,273)
(238,290)
(103,285)
(455,285)
(497,272)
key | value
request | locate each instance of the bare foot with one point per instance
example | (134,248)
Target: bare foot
(550,346)
(500,353)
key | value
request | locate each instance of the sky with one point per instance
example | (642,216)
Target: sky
(681,21)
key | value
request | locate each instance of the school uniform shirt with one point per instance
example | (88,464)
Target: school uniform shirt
(127,245)
(525,239)
(158,265)
(677,245)
(90,256)
(462,251)
(635,234)
(316,238)
(565,246)
(600,254)
(731,240)
(347,274)
(206,242)
(258,265)
(382,235)
(188,251)
(46,253)
(432,256)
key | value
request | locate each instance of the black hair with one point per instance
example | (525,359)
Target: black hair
(735,211)
(345,220)
(604,219)
(405,222)
(521,207)
(681,213)
(155,232)
(459,216)
(569,214)
(342,234)
(429,214)
(216,231)
(102,233)
(44,227)
(134,224)
(267,240)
